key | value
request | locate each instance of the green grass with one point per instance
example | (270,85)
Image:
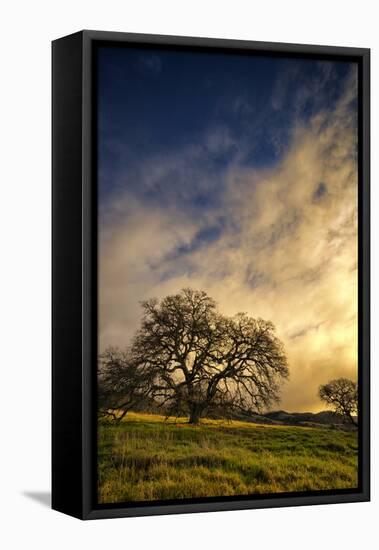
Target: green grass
(146,458)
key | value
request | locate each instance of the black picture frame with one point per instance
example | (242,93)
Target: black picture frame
(74,273)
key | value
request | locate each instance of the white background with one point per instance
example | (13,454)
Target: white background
(26,31)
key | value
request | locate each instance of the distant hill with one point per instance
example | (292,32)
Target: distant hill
(280,418)
(322,418)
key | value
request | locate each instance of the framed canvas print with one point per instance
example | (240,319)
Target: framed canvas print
(210,275)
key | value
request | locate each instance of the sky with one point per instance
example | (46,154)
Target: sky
(234,174)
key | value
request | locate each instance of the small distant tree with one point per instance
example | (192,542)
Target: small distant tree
(123,383)
(342,395)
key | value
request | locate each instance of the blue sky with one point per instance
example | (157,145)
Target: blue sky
(154,103)
(237,175)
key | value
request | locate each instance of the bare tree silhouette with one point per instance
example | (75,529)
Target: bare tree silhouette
(123,384)
(342,395)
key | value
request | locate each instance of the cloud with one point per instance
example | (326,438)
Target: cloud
(279,242)
(191,176)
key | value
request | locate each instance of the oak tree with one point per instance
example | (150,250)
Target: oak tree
(200,360)
(123,383)
(342,395)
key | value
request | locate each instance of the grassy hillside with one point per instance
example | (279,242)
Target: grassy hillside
(145,458)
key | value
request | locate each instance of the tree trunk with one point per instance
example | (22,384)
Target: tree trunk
(195,414)
(352,420)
